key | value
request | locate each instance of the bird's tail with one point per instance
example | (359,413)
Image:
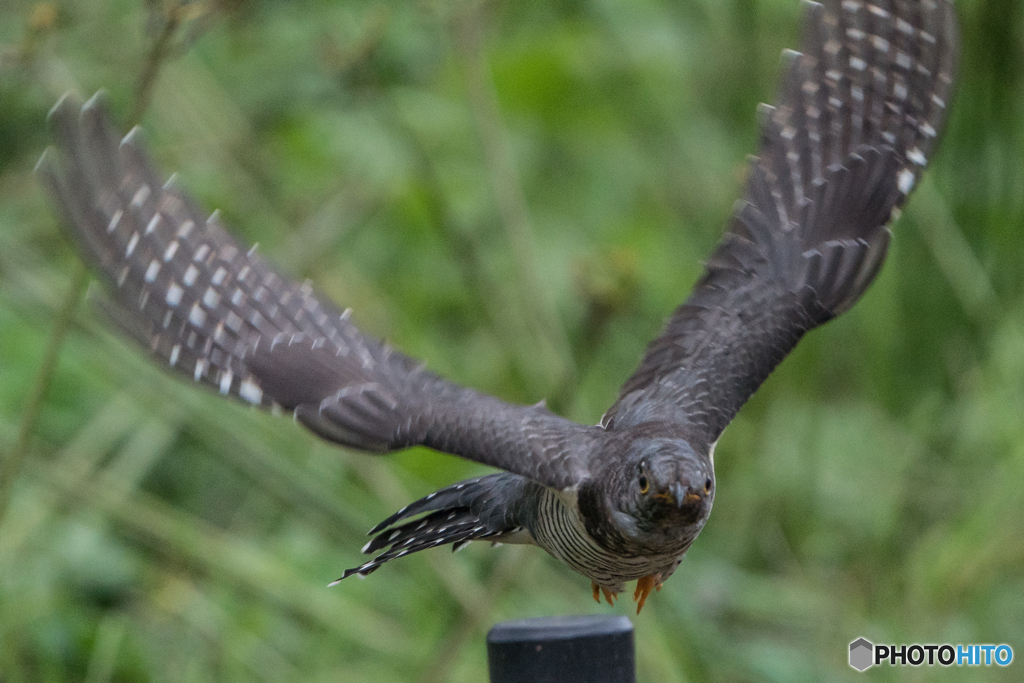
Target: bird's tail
(491,507)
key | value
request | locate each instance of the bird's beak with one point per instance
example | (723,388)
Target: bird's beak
(682,497)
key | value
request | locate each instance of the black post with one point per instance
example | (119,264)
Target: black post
(579,649)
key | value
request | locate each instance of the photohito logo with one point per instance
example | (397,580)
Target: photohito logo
(865,654)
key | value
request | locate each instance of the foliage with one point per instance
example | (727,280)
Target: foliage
(519,193)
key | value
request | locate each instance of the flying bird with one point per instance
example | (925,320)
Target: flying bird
(857,116)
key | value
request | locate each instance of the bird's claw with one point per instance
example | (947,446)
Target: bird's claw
(608,595)
(644,586)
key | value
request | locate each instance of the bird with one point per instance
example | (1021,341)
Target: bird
(857,115)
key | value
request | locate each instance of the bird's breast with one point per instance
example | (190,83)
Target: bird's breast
(560,529)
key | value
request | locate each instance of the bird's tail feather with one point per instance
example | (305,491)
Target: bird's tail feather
(487,507)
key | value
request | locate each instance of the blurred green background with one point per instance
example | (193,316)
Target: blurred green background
(518,192)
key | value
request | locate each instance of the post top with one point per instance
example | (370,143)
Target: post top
(559,628)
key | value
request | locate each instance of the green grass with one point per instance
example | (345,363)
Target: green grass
(518,193)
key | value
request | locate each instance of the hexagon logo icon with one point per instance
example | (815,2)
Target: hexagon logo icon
(861,654)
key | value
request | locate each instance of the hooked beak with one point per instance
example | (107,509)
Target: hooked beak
(682,497)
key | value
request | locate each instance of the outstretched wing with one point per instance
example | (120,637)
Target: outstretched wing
(859,113)
(214,311)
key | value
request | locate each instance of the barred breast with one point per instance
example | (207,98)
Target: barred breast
(560,530)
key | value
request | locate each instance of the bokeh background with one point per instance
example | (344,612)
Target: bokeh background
(518,192)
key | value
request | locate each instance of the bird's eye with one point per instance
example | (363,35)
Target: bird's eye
(644,485)
(707,485)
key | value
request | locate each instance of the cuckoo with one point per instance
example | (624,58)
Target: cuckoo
(858,114)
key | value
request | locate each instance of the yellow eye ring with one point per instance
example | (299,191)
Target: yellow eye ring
(644,485)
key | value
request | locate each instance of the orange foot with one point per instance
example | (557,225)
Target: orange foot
(608,595)
(644,586)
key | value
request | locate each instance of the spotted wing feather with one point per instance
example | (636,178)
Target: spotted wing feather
(859,112)
(214,311)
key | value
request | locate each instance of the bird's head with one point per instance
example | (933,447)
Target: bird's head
(659,494)
(670,485)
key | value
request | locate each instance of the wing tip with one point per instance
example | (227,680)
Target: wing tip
(62,121)
(69,100)
(135,139)
(99,102)
(45,165)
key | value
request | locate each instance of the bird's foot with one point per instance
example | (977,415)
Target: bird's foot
(608,595)
(644,586)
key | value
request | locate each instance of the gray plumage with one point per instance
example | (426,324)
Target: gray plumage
(858,115)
